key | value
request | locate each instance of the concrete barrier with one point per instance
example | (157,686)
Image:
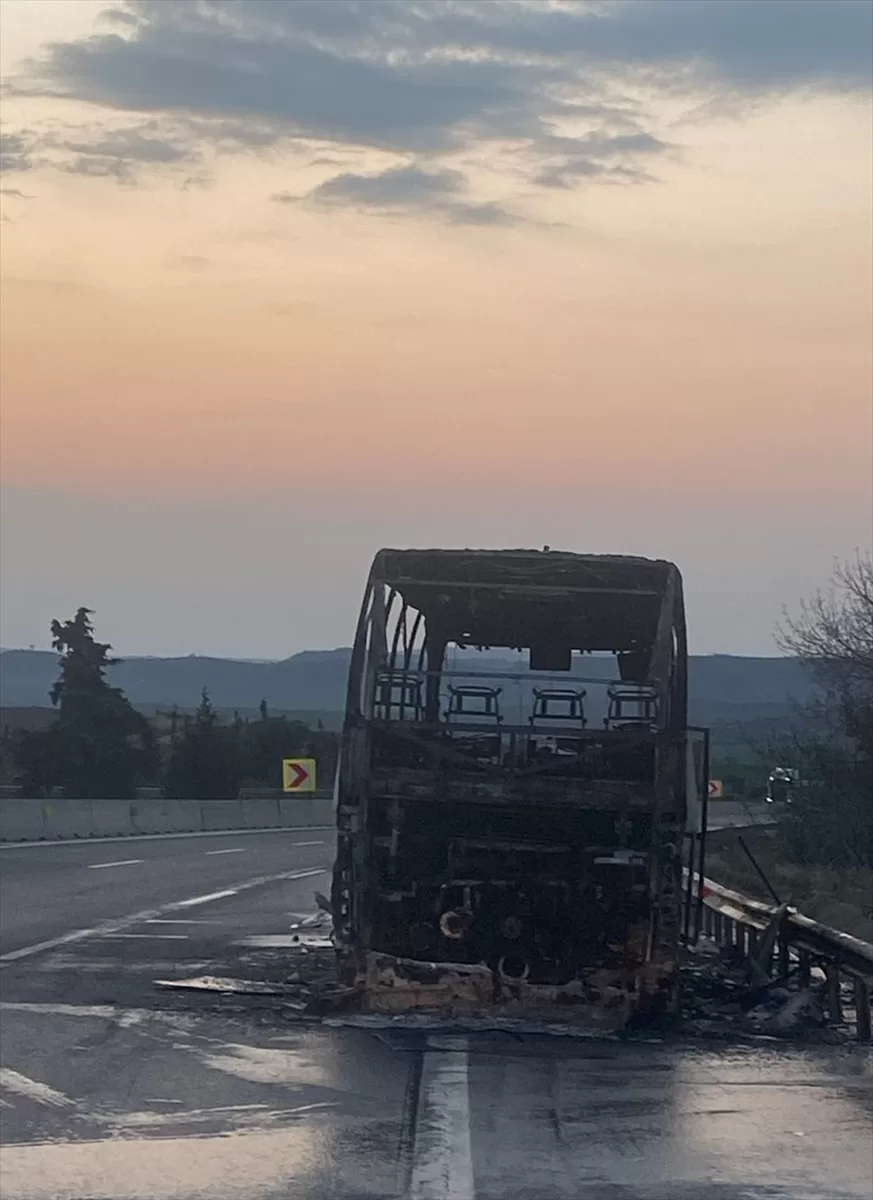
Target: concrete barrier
(306,810)
(109,818)
(165,816)
(60,820)
(261,814)
(21,820)
(66,819)
(222,814)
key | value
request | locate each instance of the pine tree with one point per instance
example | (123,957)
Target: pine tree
(99,747)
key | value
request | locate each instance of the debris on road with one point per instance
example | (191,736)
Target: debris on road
(788,1014)
(723,995)
(219,983)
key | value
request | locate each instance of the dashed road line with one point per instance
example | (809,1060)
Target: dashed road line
(181,921)
(124,862)
(233,850)
(207,898)
(151,937)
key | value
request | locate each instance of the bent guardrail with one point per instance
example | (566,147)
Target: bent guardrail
(800,944)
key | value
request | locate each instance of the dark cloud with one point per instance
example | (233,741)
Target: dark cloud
(16,152)
(15,193)
(121,153)
(758,45)
(433,77)
(595,156)
(129,146)
(186,60)
(405,190)
(96,150)
(743,43)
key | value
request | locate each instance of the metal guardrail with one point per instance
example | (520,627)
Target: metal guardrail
(739,921)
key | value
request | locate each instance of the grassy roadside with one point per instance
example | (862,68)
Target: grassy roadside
(841,898)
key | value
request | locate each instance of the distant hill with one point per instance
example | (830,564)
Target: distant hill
(722,688)
(311,680)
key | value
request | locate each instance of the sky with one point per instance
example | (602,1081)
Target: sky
(286,282)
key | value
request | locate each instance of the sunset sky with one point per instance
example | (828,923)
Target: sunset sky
(285,282)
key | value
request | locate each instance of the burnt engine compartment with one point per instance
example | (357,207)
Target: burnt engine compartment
(535,895)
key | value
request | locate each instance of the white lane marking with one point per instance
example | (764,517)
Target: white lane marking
(165,837)
(139,918)
(309,844)
(233,850)
(140,1120)
(53,964)
(33,1089)
(181,921)
(207,898)
(152,937)
(124,862)
(284,941)
(442,1154)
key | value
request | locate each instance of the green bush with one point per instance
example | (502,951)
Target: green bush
(205,759)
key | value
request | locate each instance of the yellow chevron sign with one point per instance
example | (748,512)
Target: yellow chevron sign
(298,774)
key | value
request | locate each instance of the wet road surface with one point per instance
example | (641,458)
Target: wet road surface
(115,1089)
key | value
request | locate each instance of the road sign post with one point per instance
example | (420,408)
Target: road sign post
(298,775)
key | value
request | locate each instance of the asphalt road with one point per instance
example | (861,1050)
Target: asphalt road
(116,1089)
(728,814)
(48,889)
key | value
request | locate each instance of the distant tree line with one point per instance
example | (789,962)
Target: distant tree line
(100,747)
(830,821)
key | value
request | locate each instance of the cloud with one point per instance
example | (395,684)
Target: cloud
(16,152)
(219,61)
(436,78)
(405,190)
(122,153)
(614,157)
(15,193)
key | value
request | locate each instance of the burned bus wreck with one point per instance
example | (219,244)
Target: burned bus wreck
(516,787)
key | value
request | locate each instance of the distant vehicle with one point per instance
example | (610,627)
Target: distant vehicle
(511,840)
(781,785)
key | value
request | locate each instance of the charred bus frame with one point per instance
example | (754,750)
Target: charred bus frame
(527,868)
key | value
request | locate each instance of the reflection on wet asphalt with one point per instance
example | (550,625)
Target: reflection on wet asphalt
(116,1090)
(173,1104)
